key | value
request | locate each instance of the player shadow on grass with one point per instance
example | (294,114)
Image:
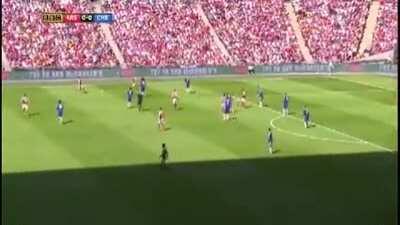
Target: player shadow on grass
(206,185)
(247,106)
(275,151)
(33,114)
(68,122)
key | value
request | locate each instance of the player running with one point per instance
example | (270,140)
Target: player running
(227,107)
(269,140)
(285,104)
(130,97)
(81,86)
(164,155)
(306,117)
(143,85)
(331,67)
(174,98)
(260,96)
(134,83)
(24,104)
(139,100)
(60,111)
(223,105)
(243,98)
(187,85)
(161,120)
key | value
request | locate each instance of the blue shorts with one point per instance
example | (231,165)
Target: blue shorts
(227,110)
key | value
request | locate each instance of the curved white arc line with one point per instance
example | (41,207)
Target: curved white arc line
(342,133)
(310,136)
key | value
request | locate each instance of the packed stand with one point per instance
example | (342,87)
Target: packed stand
(161,33)
(332,29)
(254,31)
(385,35)
(31,43)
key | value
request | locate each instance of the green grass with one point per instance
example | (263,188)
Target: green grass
(102,167)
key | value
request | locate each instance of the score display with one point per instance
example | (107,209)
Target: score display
(77,18)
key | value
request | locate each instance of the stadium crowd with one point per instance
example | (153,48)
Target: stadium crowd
(171,33)
(254,31)
(385,35)
(30,43)
(162,33)
(332,29)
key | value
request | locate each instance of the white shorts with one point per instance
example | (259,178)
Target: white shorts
(161,121)
(174,101)
(25,107)
(243,100)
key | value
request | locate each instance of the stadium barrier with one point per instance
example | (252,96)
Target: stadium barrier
(57,74)
(324,68)
(60,74)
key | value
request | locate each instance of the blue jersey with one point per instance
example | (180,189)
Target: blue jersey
(60,110)
(130,95)
(286,102)
(269,137)
(227,105)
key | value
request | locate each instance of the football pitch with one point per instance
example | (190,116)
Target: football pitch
(102,165)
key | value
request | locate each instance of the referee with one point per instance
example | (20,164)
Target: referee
(164,155)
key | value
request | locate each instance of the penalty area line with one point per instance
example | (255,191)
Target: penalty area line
(310,136)
(342,133)
(365,84)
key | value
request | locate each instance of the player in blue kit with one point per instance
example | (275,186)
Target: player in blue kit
(187,85)
(269,140)
(260,96)
(227,107)
(130,97)
(285,104)
(60,111)
(306,117)
(142,86)
(231,103)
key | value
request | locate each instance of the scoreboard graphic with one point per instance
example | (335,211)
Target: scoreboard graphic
(77,18)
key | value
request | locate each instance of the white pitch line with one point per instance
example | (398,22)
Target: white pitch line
(342,133)
(365,84)
(310,136)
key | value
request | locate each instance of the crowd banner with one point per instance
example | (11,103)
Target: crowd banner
(190,71)
(293,68)
(57,74)
(303,69)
